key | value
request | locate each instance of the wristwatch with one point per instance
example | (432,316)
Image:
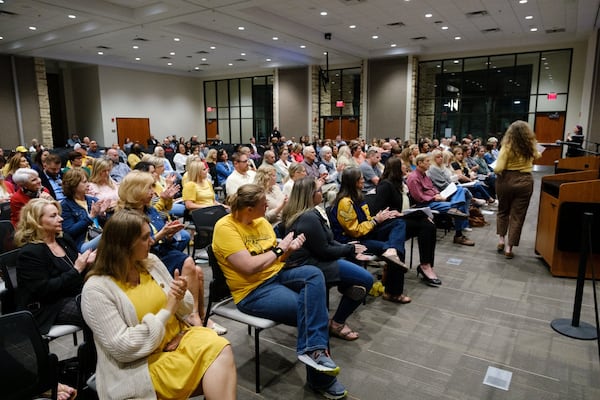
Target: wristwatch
(278,251)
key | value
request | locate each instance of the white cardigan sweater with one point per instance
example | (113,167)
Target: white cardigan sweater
(122,342)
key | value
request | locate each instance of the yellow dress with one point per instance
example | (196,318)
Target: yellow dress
(175,374)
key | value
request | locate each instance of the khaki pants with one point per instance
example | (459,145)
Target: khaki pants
(514,191)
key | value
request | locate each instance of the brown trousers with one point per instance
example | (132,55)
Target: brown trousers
(514,191)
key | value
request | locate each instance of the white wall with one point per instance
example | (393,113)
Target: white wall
(173,104)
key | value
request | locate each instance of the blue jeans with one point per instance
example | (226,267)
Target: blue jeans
(460,200)
(350,274)
(295,297)
(389,234)
(479,191)
(90,245)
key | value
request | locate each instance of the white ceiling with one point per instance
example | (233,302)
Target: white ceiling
(200,24)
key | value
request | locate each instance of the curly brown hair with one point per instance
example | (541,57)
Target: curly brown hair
(519,139)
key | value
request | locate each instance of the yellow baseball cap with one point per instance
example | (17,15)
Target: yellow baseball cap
(21,149)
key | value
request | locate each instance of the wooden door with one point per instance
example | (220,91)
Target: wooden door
(549,128)
(136,129)
(211,129)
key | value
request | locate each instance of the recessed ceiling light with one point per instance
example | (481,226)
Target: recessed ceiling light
(352,27)
(212,47)
(324,53)
(172,53)
(529,17)
(393,45)
(242,54)
(1,37)
(100,53)
(457,38)
(275,38)
(268,59)
(136,47)
(522,1)
(230,64)
(444,28)
(302,46)
(196,68)
(533,29)
(374,37)
(72,16)
(456,61)
(203,59)
(241,28)
(428,15)
(169,63)
(137,59)
(32,28)
(176,39)
(323,13)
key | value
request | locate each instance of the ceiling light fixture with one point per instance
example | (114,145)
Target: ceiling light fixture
(32,28)
(100,53)
(267,59)
(212,47)
(324,53)
(176,39)
(137,59)
(169,64)
(374,37)
(323,13)
(275,38)
(522,1)
(533,29)
(428,15)
(71,16)
(172,53)
(230,64)
(203,59)
(241,28)
(529,17)
(242,54)
(352,27)
(457,38)
(197,68)
(302,46)
(444,28)
(136,47)
(393,45)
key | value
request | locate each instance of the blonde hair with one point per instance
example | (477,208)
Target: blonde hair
(99,165)
(134,188)
(263,176)
(300,201)
(154,160)
(294,168)
(212,156)
(29,228)
(194,170)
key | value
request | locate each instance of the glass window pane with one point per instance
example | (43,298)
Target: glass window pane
(212,114)
(554,71)
(247,128)
(532,60)
(246,91)
(259,80)
(223,113)
(224,134)
(222,94)
(247,112)
(210,94)
(235,131)
(234,92)
(234,112)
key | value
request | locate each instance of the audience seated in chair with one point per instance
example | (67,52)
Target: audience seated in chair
(424,193)
(392,192)
(383,234)
(253,264)
(266,177)
(49,269)
(138,312)
(302,216)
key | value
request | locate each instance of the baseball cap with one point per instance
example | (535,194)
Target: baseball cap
(21,149)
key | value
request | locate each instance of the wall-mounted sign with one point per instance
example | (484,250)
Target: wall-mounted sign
(339,104)
(209,109)
(551,96)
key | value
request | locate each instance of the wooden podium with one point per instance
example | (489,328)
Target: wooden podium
(563,200)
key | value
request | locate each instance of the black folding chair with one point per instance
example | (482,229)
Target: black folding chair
(204,222)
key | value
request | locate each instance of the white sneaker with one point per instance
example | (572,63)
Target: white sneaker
(468,229)
(202,254)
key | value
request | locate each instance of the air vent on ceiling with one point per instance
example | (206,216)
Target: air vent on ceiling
(165,58)
(481,13)
(103,47)
(140,39)
(352,2)
(202,52)
(490,30)
(419,38)
(4,12)
(205,64)
(396,24)
(557,30)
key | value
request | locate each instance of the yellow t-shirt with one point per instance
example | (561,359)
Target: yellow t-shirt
(230,237)
(200,193)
